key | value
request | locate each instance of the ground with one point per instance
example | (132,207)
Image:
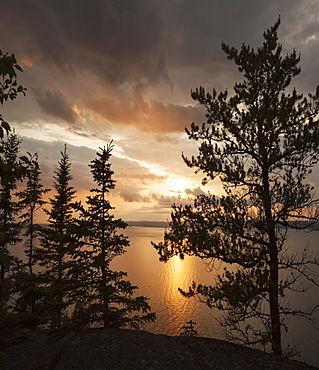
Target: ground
(121,349)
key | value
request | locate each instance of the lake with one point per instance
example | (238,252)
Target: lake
(160,281)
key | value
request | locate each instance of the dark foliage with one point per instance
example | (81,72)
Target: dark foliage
(261,143)
(105,297)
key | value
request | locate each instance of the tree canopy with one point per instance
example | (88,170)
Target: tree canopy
(262,142)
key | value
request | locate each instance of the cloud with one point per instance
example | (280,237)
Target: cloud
(132,194)
(134,63)
(124,70)
(153,116)
(194,192)
(118,41)
(165,139)
(143,42)
(55,104)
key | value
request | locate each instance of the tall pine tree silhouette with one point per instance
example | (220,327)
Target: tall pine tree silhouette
(261,143)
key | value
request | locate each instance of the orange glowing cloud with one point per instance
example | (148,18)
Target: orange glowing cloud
(148,116)
(25,61)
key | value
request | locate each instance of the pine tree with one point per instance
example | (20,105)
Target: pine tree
(107,299)
(261,143)
(54,251)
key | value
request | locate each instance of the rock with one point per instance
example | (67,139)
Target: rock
(121,349)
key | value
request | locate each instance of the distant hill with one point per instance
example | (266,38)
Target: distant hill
(148,223)
(302,225)
(164,224)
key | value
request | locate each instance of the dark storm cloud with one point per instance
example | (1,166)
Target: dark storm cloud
(135,40)
(117,40)
(56,104)
(108,54)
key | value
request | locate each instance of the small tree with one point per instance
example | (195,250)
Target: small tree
(106,298)
(188,330)
(261,143)
(54,252)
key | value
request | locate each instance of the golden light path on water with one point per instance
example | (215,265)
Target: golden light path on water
(160,281)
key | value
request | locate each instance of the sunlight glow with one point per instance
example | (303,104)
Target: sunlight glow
(178,185)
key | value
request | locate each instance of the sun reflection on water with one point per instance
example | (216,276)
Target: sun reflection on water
(179,309)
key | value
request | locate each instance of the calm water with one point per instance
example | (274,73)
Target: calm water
(160,281)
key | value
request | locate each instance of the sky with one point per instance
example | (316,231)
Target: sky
(123,70)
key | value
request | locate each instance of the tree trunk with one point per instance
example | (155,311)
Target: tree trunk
(274,305)
(273,265)
(31,239)
(60,291)
(105,296)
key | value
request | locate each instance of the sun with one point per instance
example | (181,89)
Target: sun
(177,186)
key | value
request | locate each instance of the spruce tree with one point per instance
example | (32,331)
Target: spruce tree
(12,170)
(261,143)
(54,253)
(106,298)
(31,200)
(9,207)
(26,280)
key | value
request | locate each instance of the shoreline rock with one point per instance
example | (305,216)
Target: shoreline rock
(121,349)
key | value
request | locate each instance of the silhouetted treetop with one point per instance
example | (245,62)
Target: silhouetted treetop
(261,143)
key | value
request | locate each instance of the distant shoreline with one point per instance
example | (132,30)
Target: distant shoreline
(165,224)
(162,224)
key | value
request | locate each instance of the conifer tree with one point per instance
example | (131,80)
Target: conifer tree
(9,207)
(106,298)
(31,200)
(261,143)
(26,280)
(54,253)
(12,170)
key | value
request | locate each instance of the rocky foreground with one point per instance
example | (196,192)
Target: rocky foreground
(108,349)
